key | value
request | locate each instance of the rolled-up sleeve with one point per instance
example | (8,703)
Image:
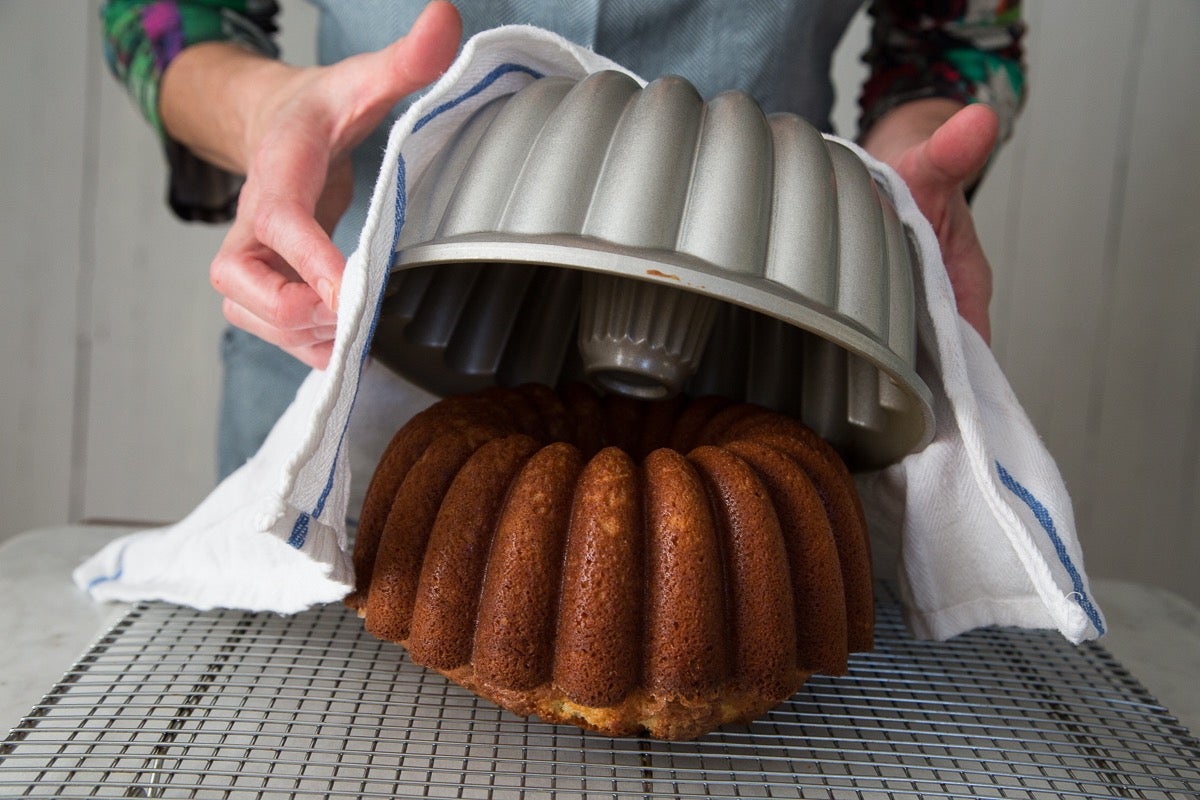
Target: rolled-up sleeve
(141,37)
(965,50)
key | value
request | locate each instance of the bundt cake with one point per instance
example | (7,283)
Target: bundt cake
(560,555)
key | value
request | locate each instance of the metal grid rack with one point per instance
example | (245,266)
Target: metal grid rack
(178,703)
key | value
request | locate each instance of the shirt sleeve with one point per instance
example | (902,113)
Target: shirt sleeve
(965,50)
(140,39)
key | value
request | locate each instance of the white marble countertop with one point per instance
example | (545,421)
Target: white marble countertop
(46,623)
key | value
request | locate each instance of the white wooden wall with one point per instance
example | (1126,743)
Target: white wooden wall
(109,330)
(1093,226)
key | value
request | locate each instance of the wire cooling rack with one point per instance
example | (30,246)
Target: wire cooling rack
(178,703)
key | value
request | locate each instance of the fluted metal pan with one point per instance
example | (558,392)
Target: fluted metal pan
(651,242)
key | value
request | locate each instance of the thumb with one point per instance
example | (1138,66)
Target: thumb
(960,148)
(424,53)
(383,78)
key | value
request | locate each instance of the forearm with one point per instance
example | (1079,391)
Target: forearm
(210,95)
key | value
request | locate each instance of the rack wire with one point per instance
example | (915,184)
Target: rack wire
(178,703)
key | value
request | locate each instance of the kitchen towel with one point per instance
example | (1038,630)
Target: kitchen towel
(986,528)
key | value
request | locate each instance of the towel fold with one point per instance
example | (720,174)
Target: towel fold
(986,532)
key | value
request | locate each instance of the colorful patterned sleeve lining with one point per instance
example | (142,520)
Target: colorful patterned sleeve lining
(966,50)
(140,39)
(142,36)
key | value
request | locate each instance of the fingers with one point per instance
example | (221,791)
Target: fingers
(277,261)
(296,337)
(317,356)
(277,268)
(977,316)
(937,169)
(264,294)
(971,279)
(295,320)
(289,229)
(265,289)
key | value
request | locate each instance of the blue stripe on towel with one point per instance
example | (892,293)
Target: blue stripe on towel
(299,532)
(1047,522)
(300,528)
(115,576)
(488,80)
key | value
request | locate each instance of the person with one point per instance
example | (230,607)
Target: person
(290,154)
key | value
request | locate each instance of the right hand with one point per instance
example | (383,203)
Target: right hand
(277,268)
(939,147)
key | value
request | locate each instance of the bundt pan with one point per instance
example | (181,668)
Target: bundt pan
(652,243)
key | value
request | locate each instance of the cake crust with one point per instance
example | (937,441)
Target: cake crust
(629,567)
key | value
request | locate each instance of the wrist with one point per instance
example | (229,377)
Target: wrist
(212,95)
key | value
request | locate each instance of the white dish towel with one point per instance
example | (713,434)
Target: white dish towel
(987,532)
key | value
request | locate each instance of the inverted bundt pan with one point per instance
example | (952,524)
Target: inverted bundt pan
(767,265)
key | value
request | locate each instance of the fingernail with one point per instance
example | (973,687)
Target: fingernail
(328,293)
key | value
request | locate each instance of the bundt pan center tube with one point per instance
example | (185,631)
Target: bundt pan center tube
(653,243)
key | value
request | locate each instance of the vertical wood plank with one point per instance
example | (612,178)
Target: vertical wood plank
(156,322)
(1147,419)
(43,47)
(155,326)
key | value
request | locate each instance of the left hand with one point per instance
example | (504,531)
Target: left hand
(939,148)
(291,131)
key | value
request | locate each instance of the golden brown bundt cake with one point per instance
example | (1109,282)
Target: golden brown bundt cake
(625,566)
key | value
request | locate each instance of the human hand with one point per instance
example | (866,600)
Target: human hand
(277,268)
(939,148)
